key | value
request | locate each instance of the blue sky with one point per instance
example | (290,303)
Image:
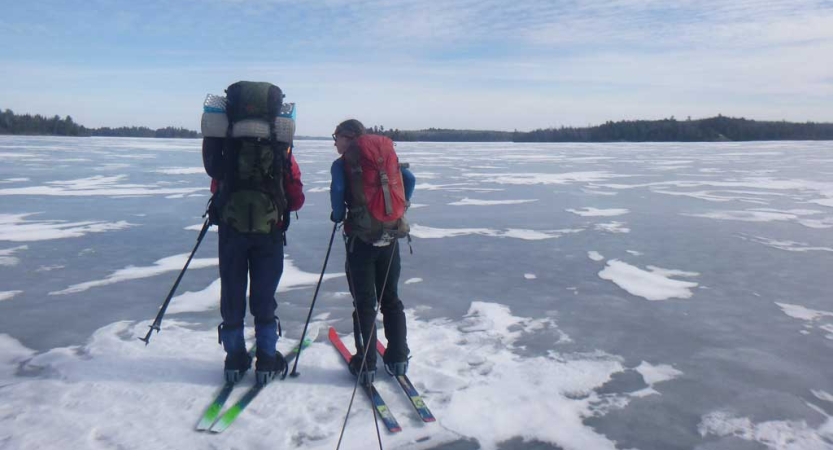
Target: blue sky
(475,64)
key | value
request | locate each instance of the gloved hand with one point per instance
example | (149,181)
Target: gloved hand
(333,219)
(213,210)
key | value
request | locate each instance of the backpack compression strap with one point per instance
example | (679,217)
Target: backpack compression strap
(383,175)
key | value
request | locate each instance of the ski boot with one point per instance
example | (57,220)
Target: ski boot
(366,376)
(396,364)
(236,365)
(396,369)
(269,367)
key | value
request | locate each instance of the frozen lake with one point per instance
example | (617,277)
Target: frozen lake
(575,296)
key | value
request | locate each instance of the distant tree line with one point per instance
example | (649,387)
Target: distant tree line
(11,123)
(718,128)
(443,135)
(167,132)
(27,124)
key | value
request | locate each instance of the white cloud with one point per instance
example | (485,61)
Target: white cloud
(454,64)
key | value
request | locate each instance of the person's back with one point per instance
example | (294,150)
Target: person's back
(257,182)
(370,191)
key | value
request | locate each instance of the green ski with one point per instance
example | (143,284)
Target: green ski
(213,412)
(234,411)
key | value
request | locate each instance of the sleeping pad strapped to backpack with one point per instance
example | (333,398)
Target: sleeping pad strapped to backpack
(254,152)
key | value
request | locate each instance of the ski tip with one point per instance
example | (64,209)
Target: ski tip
(312,334)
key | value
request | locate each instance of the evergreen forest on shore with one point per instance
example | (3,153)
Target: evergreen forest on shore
(713,129)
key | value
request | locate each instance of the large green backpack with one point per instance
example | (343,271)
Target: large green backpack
(254,196)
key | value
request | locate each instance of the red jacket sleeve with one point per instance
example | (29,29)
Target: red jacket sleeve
(293,186)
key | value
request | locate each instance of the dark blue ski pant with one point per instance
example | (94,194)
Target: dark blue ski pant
(254,260)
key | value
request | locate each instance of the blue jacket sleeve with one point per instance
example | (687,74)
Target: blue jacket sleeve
(409,180)
(337,189)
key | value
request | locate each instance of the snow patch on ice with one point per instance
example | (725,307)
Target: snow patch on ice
(6,258)
(474,202)
(181,171)
(530,276)
(769,215)
(424,232)
(595,256)
(168,264)
(98,185)
(453,187)
(653,374)
(790,246)
(198,227)
(612,227)
(468,372)
(596,212)
(7,295)
(774,434)
(606,193)
(800,312)
(12,354)
(822,320)
(543,178)
(16,228)
(13,180)
(654,284)
(822,395)
(413,280)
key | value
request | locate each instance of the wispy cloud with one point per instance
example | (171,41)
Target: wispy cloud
(412,64)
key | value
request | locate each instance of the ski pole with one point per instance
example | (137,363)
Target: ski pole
(158,320)
(314,297)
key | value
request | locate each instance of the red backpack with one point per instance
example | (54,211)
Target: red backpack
(376,200)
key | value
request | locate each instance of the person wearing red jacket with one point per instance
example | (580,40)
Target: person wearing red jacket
(253,259)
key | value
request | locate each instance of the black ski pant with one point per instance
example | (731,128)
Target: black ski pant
(254,260)
(367,266)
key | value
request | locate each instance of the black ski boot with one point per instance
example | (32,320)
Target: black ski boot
(396,366)
(367,376)
(269,367)
(236,365)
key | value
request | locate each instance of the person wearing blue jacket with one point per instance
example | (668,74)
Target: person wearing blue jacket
(367,264)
